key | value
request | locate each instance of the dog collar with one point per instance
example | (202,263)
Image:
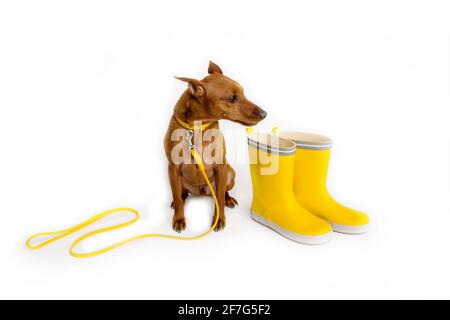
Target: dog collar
(185,125)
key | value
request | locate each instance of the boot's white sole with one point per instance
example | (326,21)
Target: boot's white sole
(311,240)
(341,228)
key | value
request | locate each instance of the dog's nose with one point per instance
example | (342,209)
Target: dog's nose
(262,114)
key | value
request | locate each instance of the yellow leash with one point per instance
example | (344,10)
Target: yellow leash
(57,235)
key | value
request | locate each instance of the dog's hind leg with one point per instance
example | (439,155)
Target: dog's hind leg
(230,202)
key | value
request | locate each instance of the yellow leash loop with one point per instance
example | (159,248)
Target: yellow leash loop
(57,235)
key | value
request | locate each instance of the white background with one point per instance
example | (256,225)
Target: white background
(87,90)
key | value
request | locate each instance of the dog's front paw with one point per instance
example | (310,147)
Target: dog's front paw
(221,223)
(179,224)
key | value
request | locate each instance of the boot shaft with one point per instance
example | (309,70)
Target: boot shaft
(311,163)
(311,170)
(272,163)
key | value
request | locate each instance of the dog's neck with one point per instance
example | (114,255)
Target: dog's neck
(190,110)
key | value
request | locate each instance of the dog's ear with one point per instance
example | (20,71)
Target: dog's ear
(196,88)
(214,68)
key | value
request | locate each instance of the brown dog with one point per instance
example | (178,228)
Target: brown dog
(214,98)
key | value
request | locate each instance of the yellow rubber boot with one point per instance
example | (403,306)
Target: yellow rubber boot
(274,205)
(310,184)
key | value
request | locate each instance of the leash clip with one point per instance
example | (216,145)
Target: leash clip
(189,136)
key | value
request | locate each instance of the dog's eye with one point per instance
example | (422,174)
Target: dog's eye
(232,99)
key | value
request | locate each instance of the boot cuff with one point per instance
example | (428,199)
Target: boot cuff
(272,144)
(308,141)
